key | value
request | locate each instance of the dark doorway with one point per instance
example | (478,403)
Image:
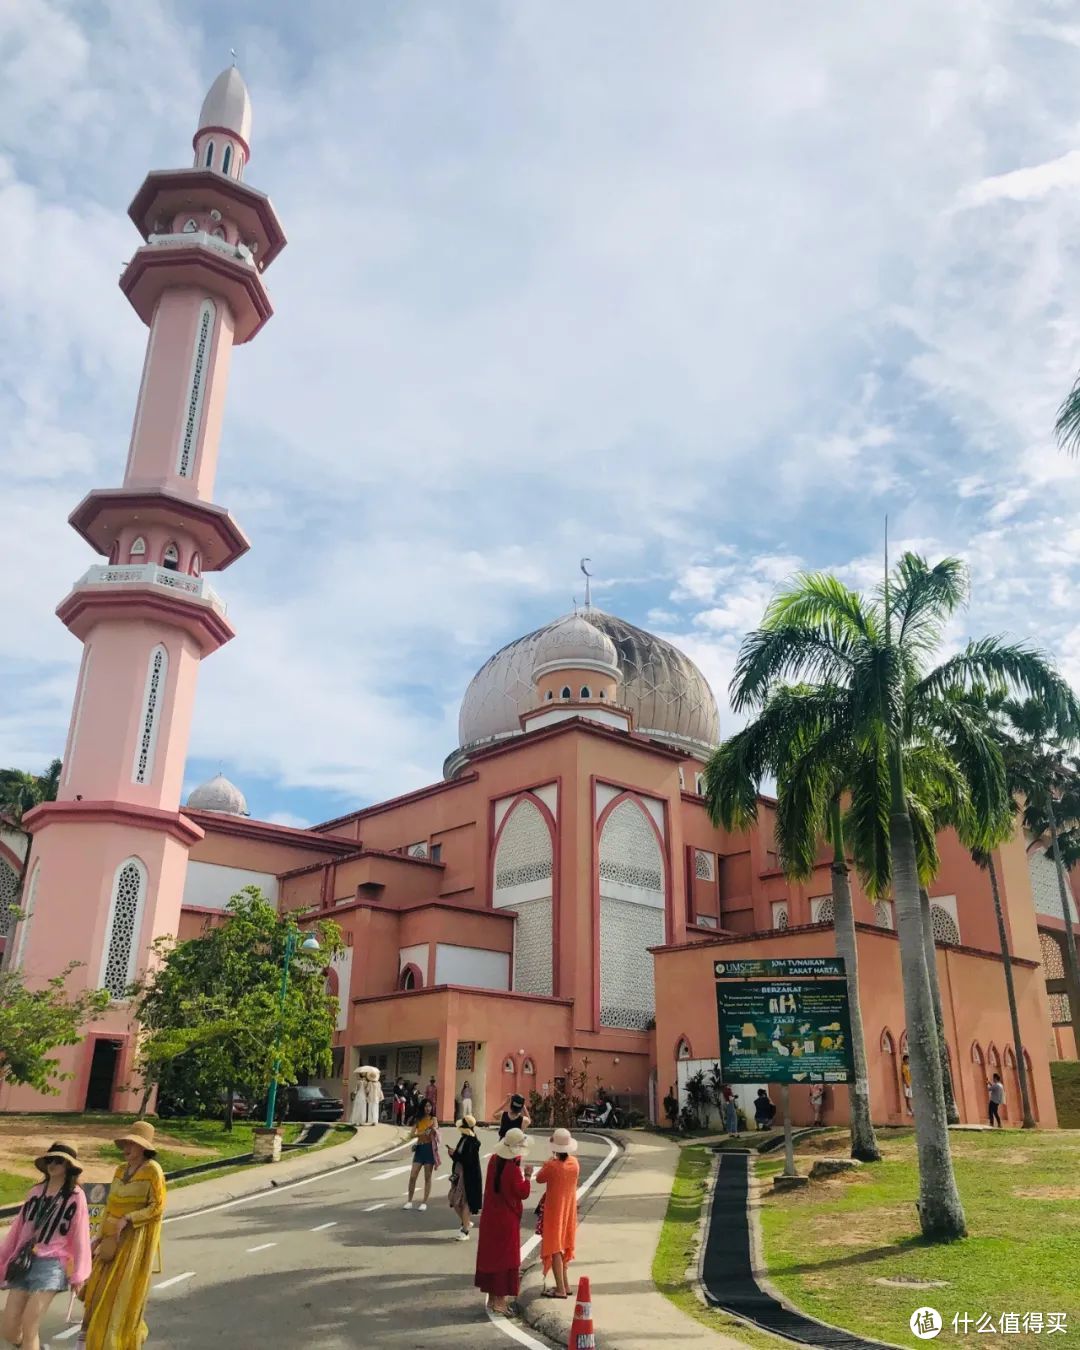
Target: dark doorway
(99,1090)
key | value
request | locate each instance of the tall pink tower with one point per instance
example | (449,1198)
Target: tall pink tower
(108,859)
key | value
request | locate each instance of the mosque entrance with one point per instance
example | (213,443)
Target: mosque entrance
(99,1089)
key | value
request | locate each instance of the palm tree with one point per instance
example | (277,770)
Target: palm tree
(880,650)
(795,740)
(20,792)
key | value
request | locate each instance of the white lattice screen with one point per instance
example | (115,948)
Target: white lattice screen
(9,886)
(627,931)
(944,925)
(156,675)
(124,928)
(532,948)
(524,855)
(199,357)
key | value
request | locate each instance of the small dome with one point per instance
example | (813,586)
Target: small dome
(228,105)
(219,795)
(573,642)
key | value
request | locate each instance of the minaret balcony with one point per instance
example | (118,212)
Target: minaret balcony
(198,259)
(144,590)
(150,574)
(167,193)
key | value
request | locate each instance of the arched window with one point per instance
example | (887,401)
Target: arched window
(170,559)
(226,159)
(682,1050)
(508,1065)
(944,925)
(883,914)
(157,672)
(523,880)
(821,909)
(565,691)
(218,232)
(408,978)
(191,225)
(196,564)
(631,883)
(137,552)
(125,917)
(204,330)
(585,692)
(208,161)
(549,695)
(602,694)
(1053,964)
(27,908)
(9,888)
(528,1068)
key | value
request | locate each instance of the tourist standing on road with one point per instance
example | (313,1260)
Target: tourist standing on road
(128,1251)
(559,1228)
(466,1099)
(763,1109)
(425,1153)
(431,1094)
(514,1118)
(817,1101)
(466,1183)
(997,1099)
(47,1249)
(400,1098)
(498,1253)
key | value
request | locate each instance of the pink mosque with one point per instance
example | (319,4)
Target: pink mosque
(560,894)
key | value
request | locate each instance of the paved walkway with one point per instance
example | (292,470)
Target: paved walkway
(616,1246)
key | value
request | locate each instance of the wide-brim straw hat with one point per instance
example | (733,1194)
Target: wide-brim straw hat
(63,1153)
(514,1144)
(562,1141)
(468,1122)
(141,1133)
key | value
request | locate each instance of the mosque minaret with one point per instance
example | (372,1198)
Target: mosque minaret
(109,857)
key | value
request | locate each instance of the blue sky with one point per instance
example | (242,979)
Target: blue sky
(701,293)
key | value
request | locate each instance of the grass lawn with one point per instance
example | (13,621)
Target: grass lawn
(827,1247)
(1065,1075)
(677,1250)
(183,1143)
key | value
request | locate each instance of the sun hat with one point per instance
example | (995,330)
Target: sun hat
(62,1153)
(469,1122)
(141,1133)
(514,1144)
(562,1141)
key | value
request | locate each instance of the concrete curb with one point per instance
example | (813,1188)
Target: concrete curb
(269,1176)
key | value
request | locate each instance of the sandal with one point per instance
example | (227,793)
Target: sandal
(553,1293)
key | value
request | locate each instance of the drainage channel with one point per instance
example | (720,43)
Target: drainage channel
(727,1270)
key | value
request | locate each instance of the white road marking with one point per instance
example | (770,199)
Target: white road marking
(285,1186)
(262,1247)
(175,1280)
(393,1172)
(319,1227)
(371,1208)
(67,1335)
(515,1333)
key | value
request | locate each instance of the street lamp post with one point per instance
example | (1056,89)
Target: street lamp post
(309,944)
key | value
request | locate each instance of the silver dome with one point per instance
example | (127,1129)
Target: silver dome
(219,795)
(668,695)
(574,642)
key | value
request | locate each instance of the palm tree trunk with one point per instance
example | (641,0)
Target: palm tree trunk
(1006,961)
(952,1115)
(1072,968)
(864,1144)
(941,1213)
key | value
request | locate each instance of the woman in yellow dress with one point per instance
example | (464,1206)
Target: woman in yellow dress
(128,1250)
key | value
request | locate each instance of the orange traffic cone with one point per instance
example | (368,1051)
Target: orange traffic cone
(581,1328)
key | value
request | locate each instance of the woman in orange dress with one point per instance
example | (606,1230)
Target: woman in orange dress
(559,1236)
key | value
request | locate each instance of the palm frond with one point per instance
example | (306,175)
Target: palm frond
(1067,424)
(820,601)
(922,598)
(769,656)
(866,821)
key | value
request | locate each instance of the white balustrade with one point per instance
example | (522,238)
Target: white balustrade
(240,251)
(149,574)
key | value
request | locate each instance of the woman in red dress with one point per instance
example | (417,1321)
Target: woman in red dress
(498,1253)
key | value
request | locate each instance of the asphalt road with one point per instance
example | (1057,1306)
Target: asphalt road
(334,1263)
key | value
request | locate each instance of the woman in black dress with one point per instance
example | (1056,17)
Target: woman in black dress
(515,1118)
(466,1182)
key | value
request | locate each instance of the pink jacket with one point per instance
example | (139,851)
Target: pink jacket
(66,1236)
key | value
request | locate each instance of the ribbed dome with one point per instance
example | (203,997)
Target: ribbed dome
(219,795)
(670,698)
(574,642)
(228,105)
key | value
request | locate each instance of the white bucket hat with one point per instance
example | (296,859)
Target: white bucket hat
(562,1141)
(514,1144)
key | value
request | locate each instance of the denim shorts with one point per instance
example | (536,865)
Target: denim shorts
(46,1276)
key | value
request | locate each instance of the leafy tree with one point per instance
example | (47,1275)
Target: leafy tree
(671,1108)
(697,1097)
(34,1022)
(880,650)
(211,1009)
(20,792)
(716,1089)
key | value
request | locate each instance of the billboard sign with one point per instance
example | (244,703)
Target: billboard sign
(785,1031)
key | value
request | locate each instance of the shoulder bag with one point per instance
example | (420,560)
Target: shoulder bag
(19,1265)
